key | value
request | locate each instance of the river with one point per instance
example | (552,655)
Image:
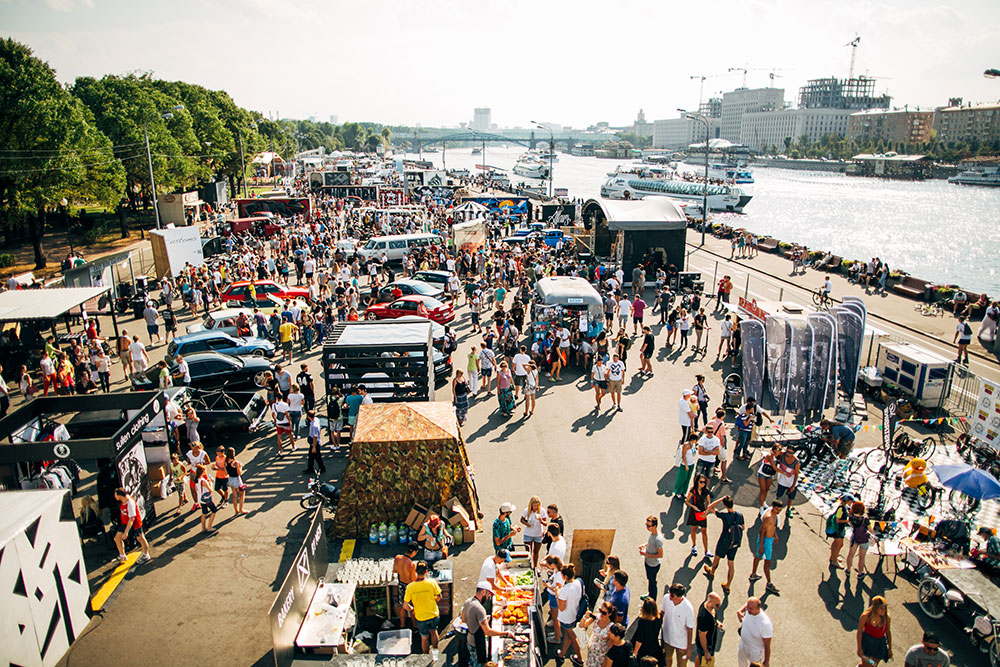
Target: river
(943,233)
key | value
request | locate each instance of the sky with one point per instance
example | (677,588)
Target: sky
(573,63)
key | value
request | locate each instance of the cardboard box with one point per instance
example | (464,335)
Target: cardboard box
(417,516)
(468,536)
(158,472)
(455,514)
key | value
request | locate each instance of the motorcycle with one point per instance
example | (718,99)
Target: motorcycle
(320,493)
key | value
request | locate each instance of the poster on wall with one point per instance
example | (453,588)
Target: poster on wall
(986,416)
(133,477)
(391,197)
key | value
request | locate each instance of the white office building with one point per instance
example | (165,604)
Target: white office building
(737,102)
(762,129)
(678,133)
(482,119)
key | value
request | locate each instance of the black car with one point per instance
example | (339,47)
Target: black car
(211,370)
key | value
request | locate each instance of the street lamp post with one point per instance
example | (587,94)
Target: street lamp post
(704,188)
(63,204)
(552,148)
(149,158)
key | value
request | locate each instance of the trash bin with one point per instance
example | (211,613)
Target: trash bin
(138,305)
(591,562)
(928,293)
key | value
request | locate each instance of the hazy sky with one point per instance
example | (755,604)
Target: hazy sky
(570,62)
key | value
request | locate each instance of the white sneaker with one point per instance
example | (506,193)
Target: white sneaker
(694,551)
(143,558)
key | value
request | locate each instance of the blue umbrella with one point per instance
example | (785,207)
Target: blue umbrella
(970,480)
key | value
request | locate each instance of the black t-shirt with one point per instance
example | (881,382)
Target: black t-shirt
(647,635)
(706,624)
(619,655)
(648,344)
(547,539)
(304,380)
(729,519)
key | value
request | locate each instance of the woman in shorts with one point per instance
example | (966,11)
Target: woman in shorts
(178,472)
(765,473)
(208,509)
(237,488)
(530,388)
(860,537)
(533,519)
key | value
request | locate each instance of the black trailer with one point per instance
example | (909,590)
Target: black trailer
(390,358)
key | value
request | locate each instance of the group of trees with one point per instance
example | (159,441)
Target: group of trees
(837,147)
(86,143)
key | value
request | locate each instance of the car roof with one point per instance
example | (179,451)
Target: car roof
(435,327)
(434,272)
(424,298)
(210,356)
(229,312)
(412,282)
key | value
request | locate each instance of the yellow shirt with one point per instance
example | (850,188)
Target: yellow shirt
(285,331)
(422,595)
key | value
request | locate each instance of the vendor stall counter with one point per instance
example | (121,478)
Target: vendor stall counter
(517,610)
(329,616)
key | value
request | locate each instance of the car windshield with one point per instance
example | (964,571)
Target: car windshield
(172,349)
(371,245)
(432,304)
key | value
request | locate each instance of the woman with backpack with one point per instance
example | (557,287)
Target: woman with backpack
(860,537)
(836,527)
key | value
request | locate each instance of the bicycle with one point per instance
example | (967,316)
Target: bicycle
(821,299)
(905,447)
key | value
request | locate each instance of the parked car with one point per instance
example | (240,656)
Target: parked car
(220,341)
(424,306)
(409,286)
(211,370)
(240,291)
(435,278)
(268,302)
(221,320)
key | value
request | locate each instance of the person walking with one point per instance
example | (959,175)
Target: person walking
(530,389)
(836,528)
(646,351)
(875,634)
(709,450)
(652,553)
(296,401)
(599,380)
(701,394)
(315,445)
(719,428)
(678,625)
(729,541)
(421,599)
(616,376)
(701,328)
(725,336)
(766,538)
(697,501)
(963,336)
(130,522)
(708,627)
(787,476)
(687,457)
(520,363)
(685,415)
(460,393)
(472,371)
(766,470)
(755,634)
(505,391)
(204,490)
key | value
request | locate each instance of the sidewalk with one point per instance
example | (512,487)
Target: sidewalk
(888,310)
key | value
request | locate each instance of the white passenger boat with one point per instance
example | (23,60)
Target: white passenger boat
(989,176)
(720,197)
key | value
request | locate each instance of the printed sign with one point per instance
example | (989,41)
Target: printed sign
(986,417)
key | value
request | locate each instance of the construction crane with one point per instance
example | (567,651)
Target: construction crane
(701,87)
(772,71)
(773,76)
(854,52)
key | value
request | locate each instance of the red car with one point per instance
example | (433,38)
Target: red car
(240,291)
(423,306)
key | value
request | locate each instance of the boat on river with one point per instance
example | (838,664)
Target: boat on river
(989,176)
(720,197)
(531,168)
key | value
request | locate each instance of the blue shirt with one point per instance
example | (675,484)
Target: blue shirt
(620,599)
(842,433)
(353,403)
(501,527)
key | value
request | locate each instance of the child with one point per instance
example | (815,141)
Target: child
(178,471)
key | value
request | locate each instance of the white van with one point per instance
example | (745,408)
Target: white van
(395,245)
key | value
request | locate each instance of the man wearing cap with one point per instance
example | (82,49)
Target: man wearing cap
(503,532)
(477,620)
(684,414)
(421,600)
(493,567)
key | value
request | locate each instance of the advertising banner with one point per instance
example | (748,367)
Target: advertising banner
(776,331)
(752,333)
(986,417)
(822,362)
(850,337)
(800,347)
(289,608)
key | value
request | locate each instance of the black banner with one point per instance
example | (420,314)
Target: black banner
(289,608)
(332,178)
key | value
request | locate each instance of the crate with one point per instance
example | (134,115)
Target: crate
(394,642)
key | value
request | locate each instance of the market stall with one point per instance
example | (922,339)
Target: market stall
(566,301)
(401,454)
(518,610)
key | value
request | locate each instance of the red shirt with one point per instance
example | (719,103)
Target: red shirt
(128,511)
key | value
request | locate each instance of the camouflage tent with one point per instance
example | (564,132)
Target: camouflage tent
(402,454)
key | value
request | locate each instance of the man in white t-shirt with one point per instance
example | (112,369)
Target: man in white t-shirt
(755,635)
(709,448)
(493,568)
(685,416)
(140,360)
(183,370)
(678,625)
(520,362)
(557,546)
(725,336)
(624,308)
(616,377)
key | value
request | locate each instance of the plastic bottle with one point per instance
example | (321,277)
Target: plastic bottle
(373,535)
(456,534)
(382,534)
(392,537)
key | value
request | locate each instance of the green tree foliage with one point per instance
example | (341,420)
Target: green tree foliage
(51,148)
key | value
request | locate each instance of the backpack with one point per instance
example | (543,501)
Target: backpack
(831,522)
(584,606)
(736,531)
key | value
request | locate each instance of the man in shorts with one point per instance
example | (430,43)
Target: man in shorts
(406,570)
(286,331)
(765,543)
(646,351)
(729,540)
(520,362)
(420,599)
(130,522)
(787,469)
(487,359)
(839,437)
(616,376)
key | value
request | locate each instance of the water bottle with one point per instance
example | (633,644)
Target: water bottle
(373,535)
(382,534)
(392,537)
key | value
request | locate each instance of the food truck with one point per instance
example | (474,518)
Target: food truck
(569,301)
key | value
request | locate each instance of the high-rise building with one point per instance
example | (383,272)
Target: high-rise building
(898,125)
(641,127)
(760,130)
(833,93)
(333,119)
(482,119)
(737,102)
(979,122)
(677,133)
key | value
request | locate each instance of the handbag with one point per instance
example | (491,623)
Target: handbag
(700,516)
(679,456)
(760,419)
